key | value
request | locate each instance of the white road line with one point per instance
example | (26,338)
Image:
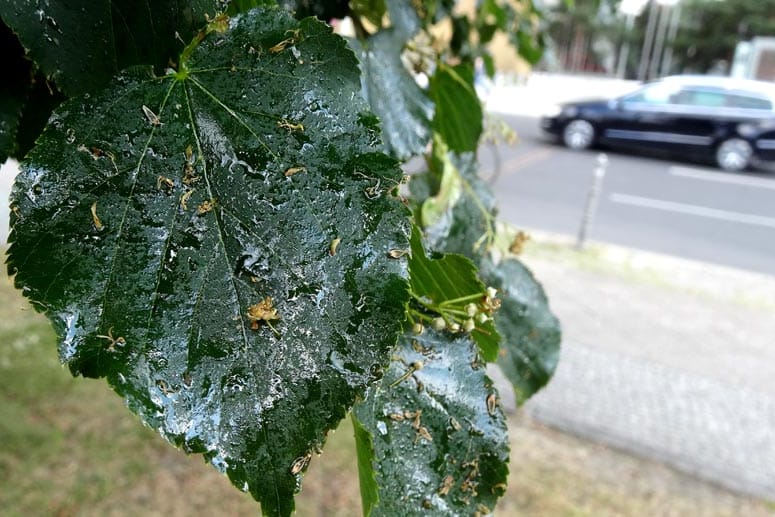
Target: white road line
(721,177)
(701,211)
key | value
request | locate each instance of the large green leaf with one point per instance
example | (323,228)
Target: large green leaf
(530,346)
(438,433)
(446,286)
(15,84)
(458,117)
(161,222)
(80,44)
(403,107)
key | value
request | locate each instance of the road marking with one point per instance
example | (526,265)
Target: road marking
(721,177)
(516,163)
(701,211)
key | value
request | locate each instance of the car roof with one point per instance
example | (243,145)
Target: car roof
(731,84)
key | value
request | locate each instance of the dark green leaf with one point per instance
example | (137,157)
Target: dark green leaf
(529,45)
(531,334)
(441,280)
(152,219)
(15,83)
(458,117)
(372,10)
(394,96)
(243,6)
(43,97)
(364,447)
(440,445)
(80,44)
(459,216)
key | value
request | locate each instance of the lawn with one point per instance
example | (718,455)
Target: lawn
(69,447)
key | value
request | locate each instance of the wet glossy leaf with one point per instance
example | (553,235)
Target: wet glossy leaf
(80,44)
(402,106)
(215,243)
(459,214)
(458,117)
(443,279)
(439,436)
(15,84)
(530,346)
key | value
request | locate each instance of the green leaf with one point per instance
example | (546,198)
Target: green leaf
(439,436)
(15,84)
(372,10)
(153,220)
(444,284)
(403,107)
(459,214)
(81,44)
(458,117)
(364,447)
(531,334)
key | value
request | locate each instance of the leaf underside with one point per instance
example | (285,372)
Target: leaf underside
(441,278)
(160,223)
(439,436)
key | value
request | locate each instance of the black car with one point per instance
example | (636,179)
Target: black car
(729,120)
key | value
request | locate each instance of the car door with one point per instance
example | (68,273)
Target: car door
(644,119)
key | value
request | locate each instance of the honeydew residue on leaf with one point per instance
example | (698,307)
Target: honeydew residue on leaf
(179,231)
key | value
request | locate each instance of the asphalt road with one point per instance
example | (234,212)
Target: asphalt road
(667,206)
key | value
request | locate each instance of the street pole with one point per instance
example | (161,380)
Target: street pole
(592,200)
(648,42)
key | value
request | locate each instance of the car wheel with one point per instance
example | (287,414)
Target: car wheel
(734,154)
(578,134)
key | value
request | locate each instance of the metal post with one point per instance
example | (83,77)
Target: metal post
(648,42)
(592,200)
(659,42)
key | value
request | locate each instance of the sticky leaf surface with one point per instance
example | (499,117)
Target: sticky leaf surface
(80,44)
(404,109)
(439,436)
(530,333)
(215,243)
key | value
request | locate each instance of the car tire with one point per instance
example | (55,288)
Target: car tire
(578,134)
(734,155)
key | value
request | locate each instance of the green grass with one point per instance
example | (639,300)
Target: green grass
(70,447)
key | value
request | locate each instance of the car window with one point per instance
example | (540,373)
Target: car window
(749,102)
(707,98)
(658,93)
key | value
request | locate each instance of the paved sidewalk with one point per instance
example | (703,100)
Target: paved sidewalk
(666,358)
